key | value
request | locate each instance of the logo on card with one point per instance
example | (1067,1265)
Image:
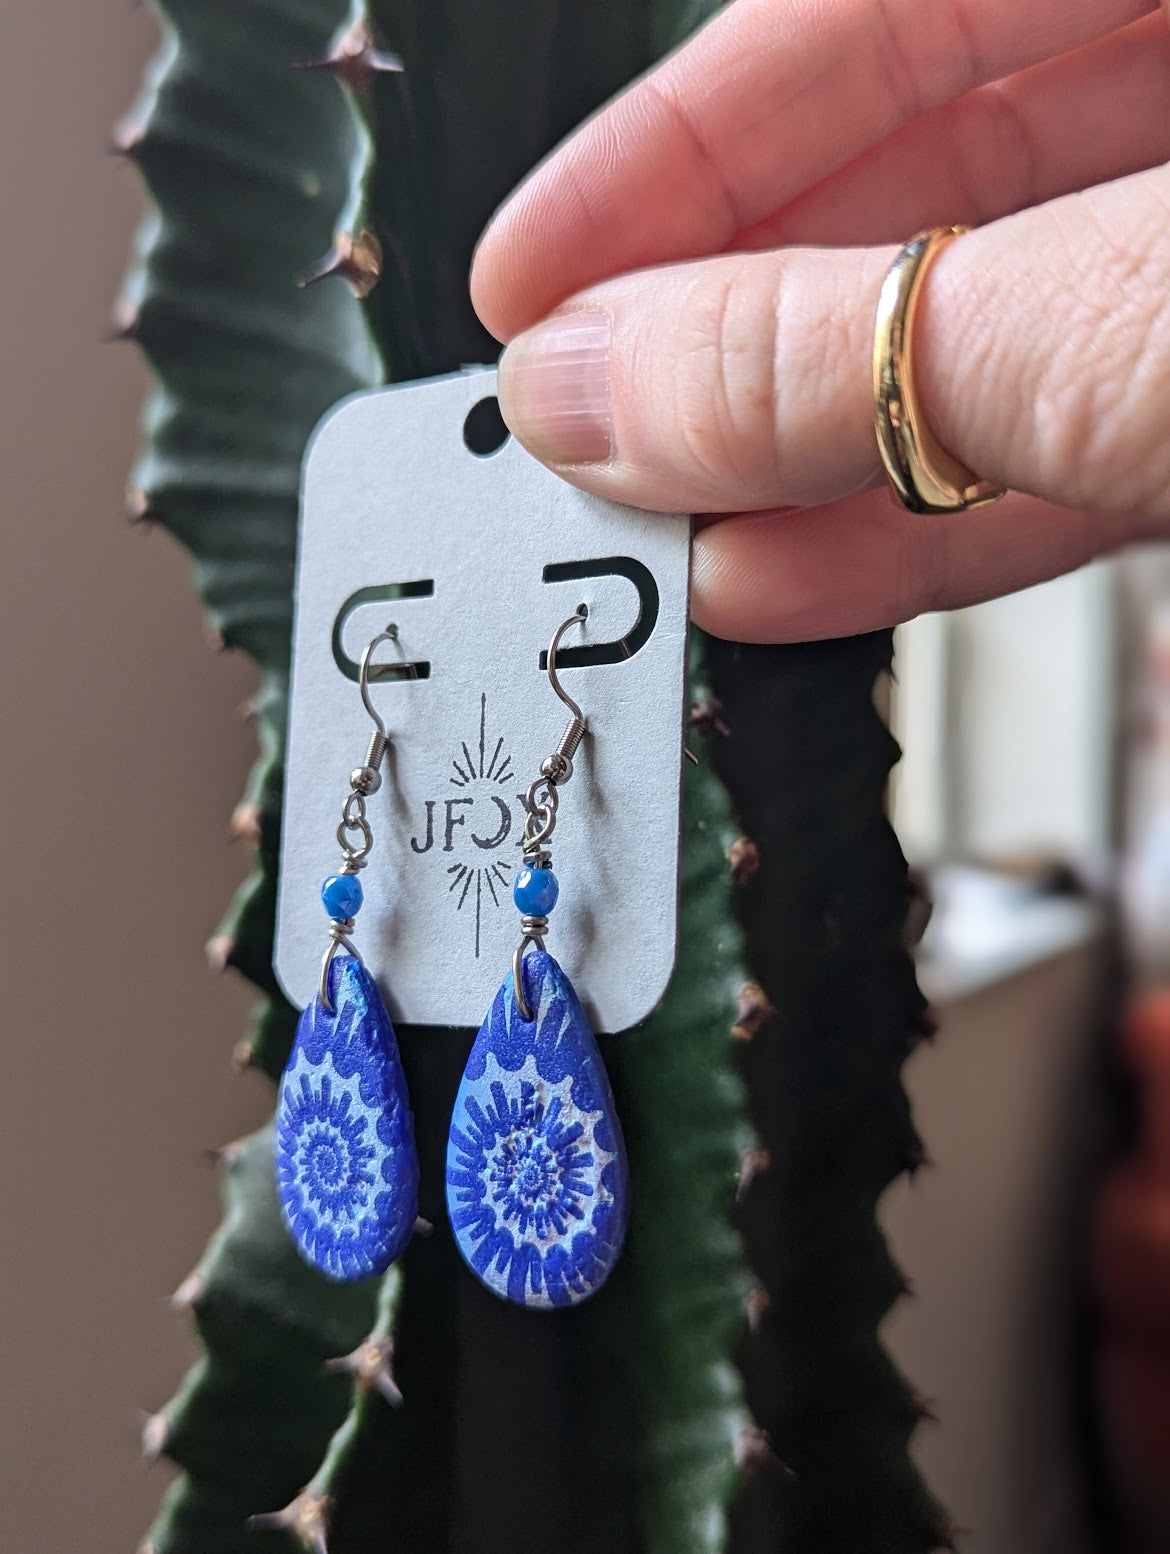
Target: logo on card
(477,823)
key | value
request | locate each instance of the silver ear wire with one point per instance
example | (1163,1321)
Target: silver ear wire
(541,802)
(580,614)
(354,835)
(389,635)
(367,778)
(558,767)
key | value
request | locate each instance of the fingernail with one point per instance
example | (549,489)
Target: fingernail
(554,389)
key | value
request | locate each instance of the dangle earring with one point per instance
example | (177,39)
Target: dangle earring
(537,1184)
(346,1165)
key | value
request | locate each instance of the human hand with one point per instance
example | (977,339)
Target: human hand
(711,246)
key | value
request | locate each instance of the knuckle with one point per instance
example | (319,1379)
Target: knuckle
(723,385)
(992,131)
(1101,411)
(763,380)
(904,48)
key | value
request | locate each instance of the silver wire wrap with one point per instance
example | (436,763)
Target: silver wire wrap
(541,802)
(340,929)
(363,781)
(532,930)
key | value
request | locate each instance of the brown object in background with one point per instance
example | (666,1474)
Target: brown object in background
(1132,1273)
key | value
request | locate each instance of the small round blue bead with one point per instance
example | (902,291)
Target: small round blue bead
(535,892)
(342,895)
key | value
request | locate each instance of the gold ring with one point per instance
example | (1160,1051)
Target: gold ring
(924,476)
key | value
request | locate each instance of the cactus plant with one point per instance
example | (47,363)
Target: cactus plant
(727,1388)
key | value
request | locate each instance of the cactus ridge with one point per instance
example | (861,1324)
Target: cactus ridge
(719,1400)
(250,165)
(833,1015)
(249,1423)
(651,1356)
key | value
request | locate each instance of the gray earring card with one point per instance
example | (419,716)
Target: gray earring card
(476,559)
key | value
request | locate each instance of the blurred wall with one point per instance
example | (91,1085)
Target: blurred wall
(1006,712)
(989,1237)
(121,754)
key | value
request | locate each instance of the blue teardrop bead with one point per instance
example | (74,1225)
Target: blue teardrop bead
(346,1165)
(537,1184)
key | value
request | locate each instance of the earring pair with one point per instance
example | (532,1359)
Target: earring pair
(536,1177)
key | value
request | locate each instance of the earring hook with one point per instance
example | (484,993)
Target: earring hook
(354,835)
(367,778)
(389,635)
(580,615)
(541,803)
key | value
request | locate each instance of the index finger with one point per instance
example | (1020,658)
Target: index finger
(764,102)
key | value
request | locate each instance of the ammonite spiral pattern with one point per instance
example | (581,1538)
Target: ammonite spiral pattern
(346,1165)
(537,1186)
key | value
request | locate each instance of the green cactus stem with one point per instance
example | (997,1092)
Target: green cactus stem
(251,165)
(833,1015)
(725,1390)
(249,1423)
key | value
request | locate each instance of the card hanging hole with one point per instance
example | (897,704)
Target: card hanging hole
(484,431)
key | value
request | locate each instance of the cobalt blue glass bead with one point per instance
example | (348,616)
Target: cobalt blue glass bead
(342,895)
(535,892)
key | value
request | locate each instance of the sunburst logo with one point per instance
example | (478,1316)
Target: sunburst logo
(474,822)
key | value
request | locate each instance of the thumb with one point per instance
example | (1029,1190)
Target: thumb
(743,382)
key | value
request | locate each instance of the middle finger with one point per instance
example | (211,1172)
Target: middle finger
(767,100)
(1081,119)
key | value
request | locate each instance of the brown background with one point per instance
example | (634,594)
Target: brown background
(121,754)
